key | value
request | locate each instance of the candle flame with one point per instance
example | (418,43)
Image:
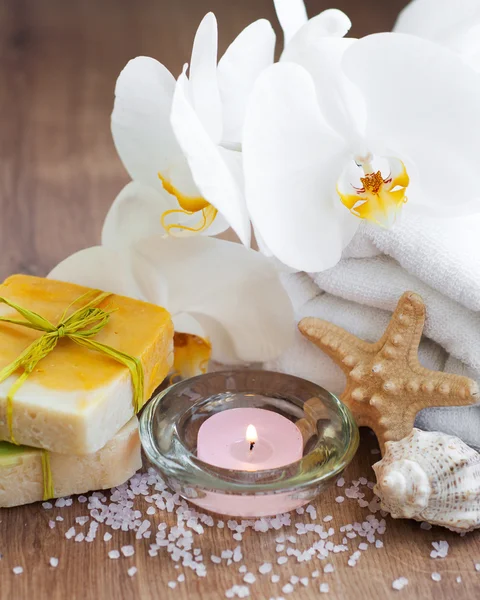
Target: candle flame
(251,435)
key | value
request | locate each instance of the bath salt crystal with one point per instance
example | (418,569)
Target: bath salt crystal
(324,588)
(378,544)
(237,537)
(477,566)
(436,576)
(70,533)
(79,537)
(82,499)
(127,550)
(458,579)
(399,583)
(339,499)
(281,560)
(280,539)
(226,554)
(287,588)
(363,546)
(300,510)
(327,518)
(17,570)
(242,569)
(304,581)
(341,482)
(82,520)
(172,584)
(280,548)
(215,559)
(114,554)
(107,537)
(249,578)
(292,539)
(181,578)
(220,524)
(315,574)
(328,568)
(275,578)
(58,518)
(53,562)
(440,549)
(47,505)
(150,510)
(131,571)
(51,524)
(265,568)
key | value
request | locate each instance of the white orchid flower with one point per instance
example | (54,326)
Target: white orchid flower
(183,139)
(224,299)
(453,23)
(355,123)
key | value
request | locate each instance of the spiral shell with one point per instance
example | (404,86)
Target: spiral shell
(431,476)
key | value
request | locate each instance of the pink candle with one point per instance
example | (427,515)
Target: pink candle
(249,439)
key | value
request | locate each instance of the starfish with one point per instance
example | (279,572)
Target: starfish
(386,384)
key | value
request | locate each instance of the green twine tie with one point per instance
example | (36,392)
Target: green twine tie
(80,327)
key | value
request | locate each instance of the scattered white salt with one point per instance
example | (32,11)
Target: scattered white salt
(324,588)
(294,580)
(315,574)
(328,568)
(243,569)
(127,550)
(131,571)
(215,559)
(378,544)
(17,570)
(181,578)
(114,554)
(436,576)
(399,583)
(339,499)
(82,499)
(172,584)
(79,537)
(151,510)
(47,505)
(304,581)
(440,549)
(265,568)
(107,537)
(70,533)
(51,524)
(327,518)
(287,588)
(275,578)
(341,482)
(281,560)
(53,562)
(459,579)
(249,578)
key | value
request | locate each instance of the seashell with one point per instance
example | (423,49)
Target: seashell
(431,476)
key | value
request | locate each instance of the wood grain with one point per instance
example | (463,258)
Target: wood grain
(58,175)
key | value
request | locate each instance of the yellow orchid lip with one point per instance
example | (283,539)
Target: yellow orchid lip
(379,199)
(189,205)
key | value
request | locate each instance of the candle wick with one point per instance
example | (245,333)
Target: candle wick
(252,444)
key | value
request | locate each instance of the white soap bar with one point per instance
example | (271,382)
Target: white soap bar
(21,474)
(77,399)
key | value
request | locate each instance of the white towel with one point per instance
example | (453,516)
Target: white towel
(440,260)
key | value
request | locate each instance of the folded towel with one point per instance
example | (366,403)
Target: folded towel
(439,259)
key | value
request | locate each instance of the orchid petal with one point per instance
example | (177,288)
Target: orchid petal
(321,55)
(203,77)
(245,58)
(233,292)
(215,172)
(291,14)
(292,160)
(430,122)
(452,24)
(98,268)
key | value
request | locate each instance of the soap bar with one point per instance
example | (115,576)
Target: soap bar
(77,399)
(21,474)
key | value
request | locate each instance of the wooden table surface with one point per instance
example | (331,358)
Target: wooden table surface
(58,175)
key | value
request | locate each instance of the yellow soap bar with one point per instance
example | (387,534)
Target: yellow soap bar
(77,399)
(22,475)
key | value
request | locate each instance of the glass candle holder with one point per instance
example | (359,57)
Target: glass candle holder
(170,423)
